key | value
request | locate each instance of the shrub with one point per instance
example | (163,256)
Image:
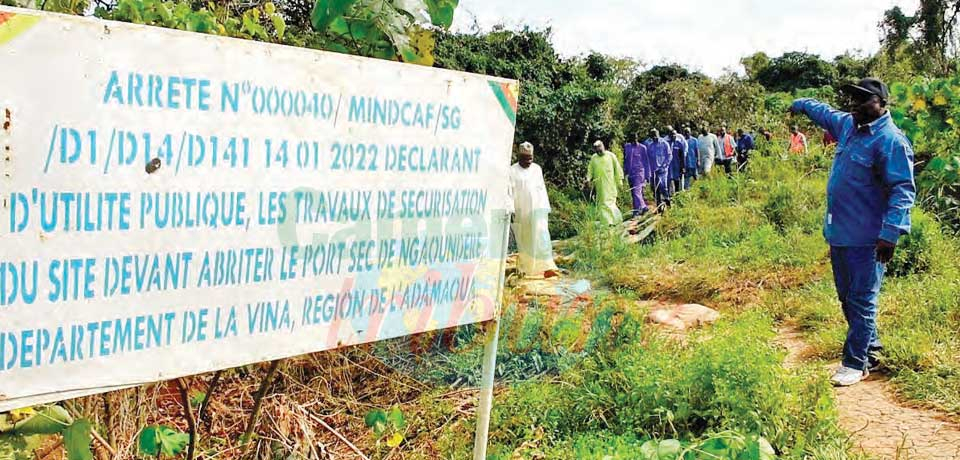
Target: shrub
(568,209)
(919,250)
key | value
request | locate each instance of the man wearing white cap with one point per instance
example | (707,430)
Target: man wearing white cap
(605,174)
(531,225)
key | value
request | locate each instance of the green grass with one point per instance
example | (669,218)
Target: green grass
(750,246)
(634,385)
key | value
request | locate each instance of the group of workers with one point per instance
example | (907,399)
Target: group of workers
(670,164)
(869,196)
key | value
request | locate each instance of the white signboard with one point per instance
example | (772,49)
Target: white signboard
(175,203)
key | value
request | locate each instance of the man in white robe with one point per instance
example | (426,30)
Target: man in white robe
(532,208)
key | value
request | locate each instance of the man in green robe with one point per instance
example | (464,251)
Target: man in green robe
(606,175)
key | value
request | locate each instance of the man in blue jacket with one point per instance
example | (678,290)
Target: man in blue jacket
(869,196)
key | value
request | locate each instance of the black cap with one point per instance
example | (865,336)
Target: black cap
(868,86)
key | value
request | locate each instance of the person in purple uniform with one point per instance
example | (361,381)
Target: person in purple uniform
(635,164)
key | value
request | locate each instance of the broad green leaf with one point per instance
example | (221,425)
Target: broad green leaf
(395,417)
(196,399)
(251,24)
(76,439)
(325,11)
(339,26)
(377,421)
(441,12)
(156,439)
(279,25)
(165,13)
(384,50)
(717,447)
(375,416)
(336,48)
(357,29)
(937,164)
(51,420)
(752,452)
(408,53)
(149,442)
(173,442)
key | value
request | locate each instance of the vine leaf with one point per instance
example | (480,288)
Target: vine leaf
(441,12)
(325,11)
(157,439)
(76,439)
(51,420)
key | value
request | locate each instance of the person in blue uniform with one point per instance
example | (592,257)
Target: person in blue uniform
(870,192)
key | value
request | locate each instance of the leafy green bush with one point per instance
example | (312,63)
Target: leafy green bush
(917,251)
(568,209)
(610,446)
(705,393)
(928,112)
(565,103)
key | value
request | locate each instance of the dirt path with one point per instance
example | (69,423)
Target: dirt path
(879,424)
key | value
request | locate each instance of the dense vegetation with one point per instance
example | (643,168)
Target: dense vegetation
(569,102)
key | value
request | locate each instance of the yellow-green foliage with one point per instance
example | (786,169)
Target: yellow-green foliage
(727,380)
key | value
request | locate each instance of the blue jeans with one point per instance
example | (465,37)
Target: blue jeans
(858,277)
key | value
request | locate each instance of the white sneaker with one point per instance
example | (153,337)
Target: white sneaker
(846,376)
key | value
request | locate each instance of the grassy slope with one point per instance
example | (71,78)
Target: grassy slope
(750,246)
(755,242)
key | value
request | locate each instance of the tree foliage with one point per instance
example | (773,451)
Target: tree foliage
(664,95)
(755,63)
(929,35)
(565,104)
(797,70)
(386,29)
(928,111)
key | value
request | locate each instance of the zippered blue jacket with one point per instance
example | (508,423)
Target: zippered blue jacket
(871,187)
